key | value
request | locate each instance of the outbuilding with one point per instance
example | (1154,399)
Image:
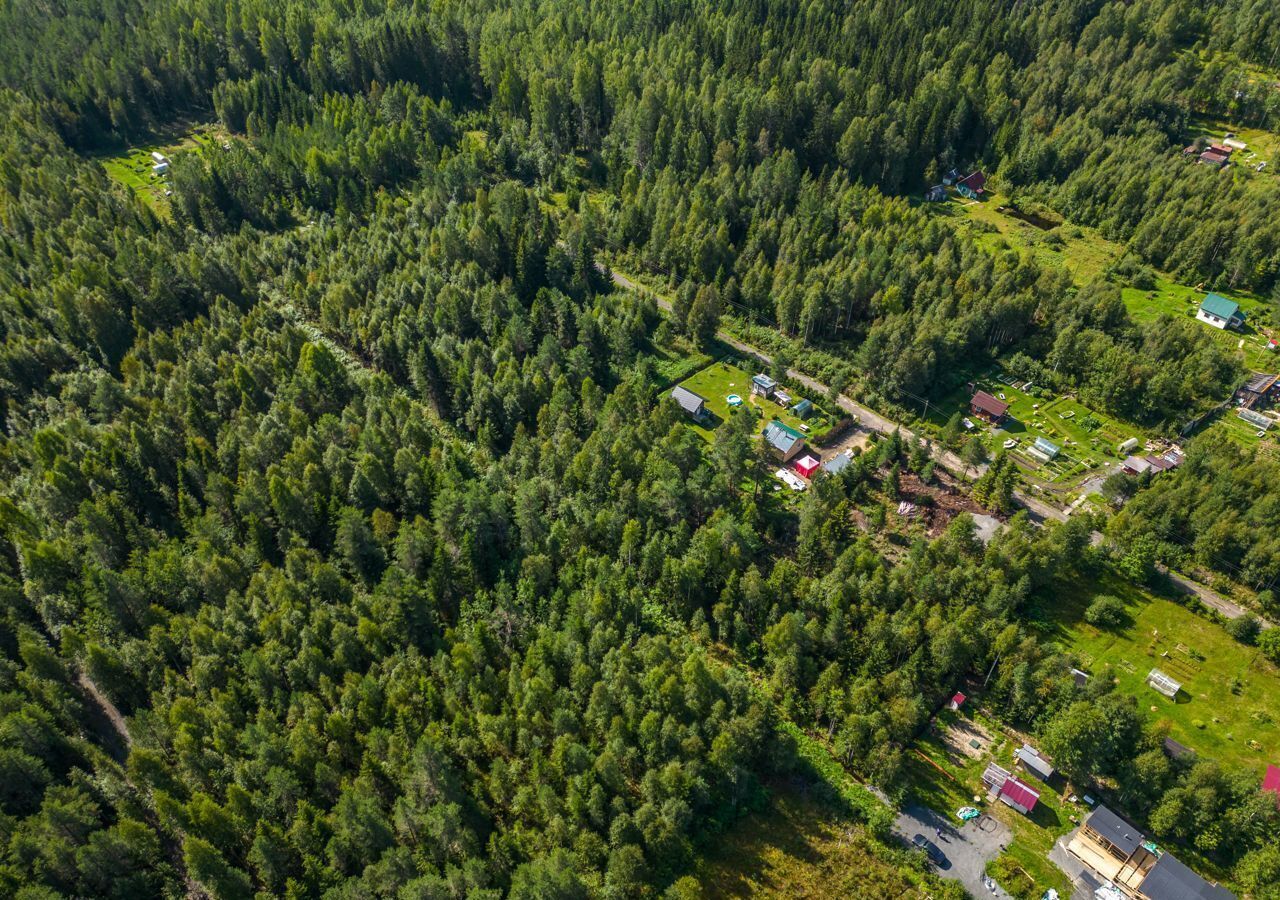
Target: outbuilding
(1019,795)
(1044,449)
(762,385)
(1033,762)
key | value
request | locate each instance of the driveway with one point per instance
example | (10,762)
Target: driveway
(968,847)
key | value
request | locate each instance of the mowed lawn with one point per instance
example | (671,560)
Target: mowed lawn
(1229,706)
(720,379)
(1170,298)
(802,846)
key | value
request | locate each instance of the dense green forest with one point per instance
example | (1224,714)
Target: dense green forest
(347,551)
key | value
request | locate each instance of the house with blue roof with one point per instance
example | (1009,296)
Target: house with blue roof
(1220,312)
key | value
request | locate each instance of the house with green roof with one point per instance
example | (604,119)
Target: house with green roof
(785,440)
(1220,312)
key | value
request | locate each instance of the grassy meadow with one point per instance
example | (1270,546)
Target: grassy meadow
(1229,706)
(801,846)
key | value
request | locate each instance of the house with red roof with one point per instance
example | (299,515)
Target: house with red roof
(1018,794)
(984,406)
(972,185)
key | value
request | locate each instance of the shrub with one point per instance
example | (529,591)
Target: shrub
(1269,643)
(1244,629)
(1105,612)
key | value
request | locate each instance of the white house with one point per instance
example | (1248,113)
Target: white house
(1220,312)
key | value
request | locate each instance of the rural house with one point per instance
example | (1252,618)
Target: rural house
(1220,312)
(1119,853)
(785,441)
(972,185)
(988,408)
(935,194)
(762,385)
(691,403)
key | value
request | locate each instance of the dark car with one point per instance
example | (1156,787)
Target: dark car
(920,842)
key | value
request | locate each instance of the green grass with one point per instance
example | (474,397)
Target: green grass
(1082,252)
(1229,706)
(1059,419)
(718,380)
(1236,430)
(1024,868)
(801,845)
(1170,298)
(131,168)
(1265,144)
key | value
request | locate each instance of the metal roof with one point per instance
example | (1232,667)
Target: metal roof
(838,463)
(988,404)
(1034,761)
(781,436)
(688,400)
(1020,793)
(1169,879)
(1220,306)
(764,381)
(1124,836)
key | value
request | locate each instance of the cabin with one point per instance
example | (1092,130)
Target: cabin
(1135,465)
(936,194)
(763,386)
(1214,158)
(1218,311)
(988,408)
(1116,852)
(694,405)
(972,185)
(785,442)
(1034,763)
(952,176)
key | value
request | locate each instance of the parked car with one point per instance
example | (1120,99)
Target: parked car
(920,842)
